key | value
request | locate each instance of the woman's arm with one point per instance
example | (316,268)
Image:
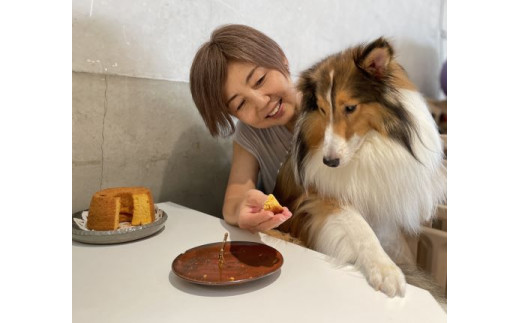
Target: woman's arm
(242,178)
(243,204)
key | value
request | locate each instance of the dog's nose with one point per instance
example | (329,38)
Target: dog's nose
(331,162)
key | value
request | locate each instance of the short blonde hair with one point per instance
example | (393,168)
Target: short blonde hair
(208,72)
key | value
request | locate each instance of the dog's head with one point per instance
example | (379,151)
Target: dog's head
(346,96)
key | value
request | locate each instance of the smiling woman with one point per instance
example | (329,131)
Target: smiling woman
(242,73)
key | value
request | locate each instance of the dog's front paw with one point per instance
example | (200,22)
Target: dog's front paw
(384,275)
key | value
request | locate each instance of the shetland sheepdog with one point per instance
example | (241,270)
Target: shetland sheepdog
(366,163)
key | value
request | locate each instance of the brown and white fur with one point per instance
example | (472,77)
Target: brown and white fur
(366,163)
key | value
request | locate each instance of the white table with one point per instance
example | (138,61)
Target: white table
(133,282)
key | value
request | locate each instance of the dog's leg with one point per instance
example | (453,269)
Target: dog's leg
(394,244)
(346,236)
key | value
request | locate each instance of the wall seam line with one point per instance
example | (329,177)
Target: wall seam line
(105,106)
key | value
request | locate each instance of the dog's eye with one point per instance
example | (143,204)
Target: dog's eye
(350,108)
(322,110)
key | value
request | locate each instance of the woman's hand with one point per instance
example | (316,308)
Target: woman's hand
(254,218)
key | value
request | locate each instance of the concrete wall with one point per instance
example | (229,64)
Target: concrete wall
(134,122)
(130,132)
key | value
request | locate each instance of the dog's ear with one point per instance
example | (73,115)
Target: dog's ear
(307,86)
(375,57)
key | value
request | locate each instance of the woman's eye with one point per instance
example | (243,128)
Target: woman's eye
(240,105)
(260,81)
(350,108)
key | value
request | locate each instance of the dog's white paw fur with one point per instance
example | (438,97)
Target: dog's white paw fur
(384,275)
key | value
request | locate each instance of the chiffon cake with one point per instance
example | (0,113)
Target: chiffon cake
(111,206)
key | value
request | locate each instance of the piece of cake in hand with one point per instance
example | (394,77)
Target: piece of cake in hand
(271,204)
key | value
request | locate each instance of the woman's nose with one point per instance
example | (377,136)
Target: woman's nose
(261,100)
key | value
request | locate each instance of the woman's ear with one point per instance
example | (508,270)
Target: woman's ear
(375,58)
(286,63)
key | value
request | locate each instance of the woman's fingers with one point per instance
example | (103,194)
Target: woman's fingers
(261,217)
(286,213)
(255,199)
(249,220)
(272,223)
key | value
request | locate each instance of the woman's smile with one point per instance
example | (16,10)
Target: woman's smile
(277,111)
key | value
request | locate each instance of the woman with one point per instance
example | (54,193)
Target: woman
(241,72)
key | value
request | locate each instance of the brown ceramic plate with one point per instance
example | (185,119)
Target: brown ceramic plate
(244,261)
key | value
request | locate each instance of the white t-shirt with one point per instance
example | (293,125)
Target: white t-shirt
(269,146)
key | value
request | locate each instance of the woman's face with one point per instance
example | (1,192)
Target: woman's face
(258,96)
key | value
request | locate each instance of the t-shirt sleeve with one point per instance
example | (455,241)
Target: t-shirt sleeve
(245,136)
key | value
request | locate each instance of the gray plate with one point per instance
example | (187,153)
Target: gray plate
(117,236)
